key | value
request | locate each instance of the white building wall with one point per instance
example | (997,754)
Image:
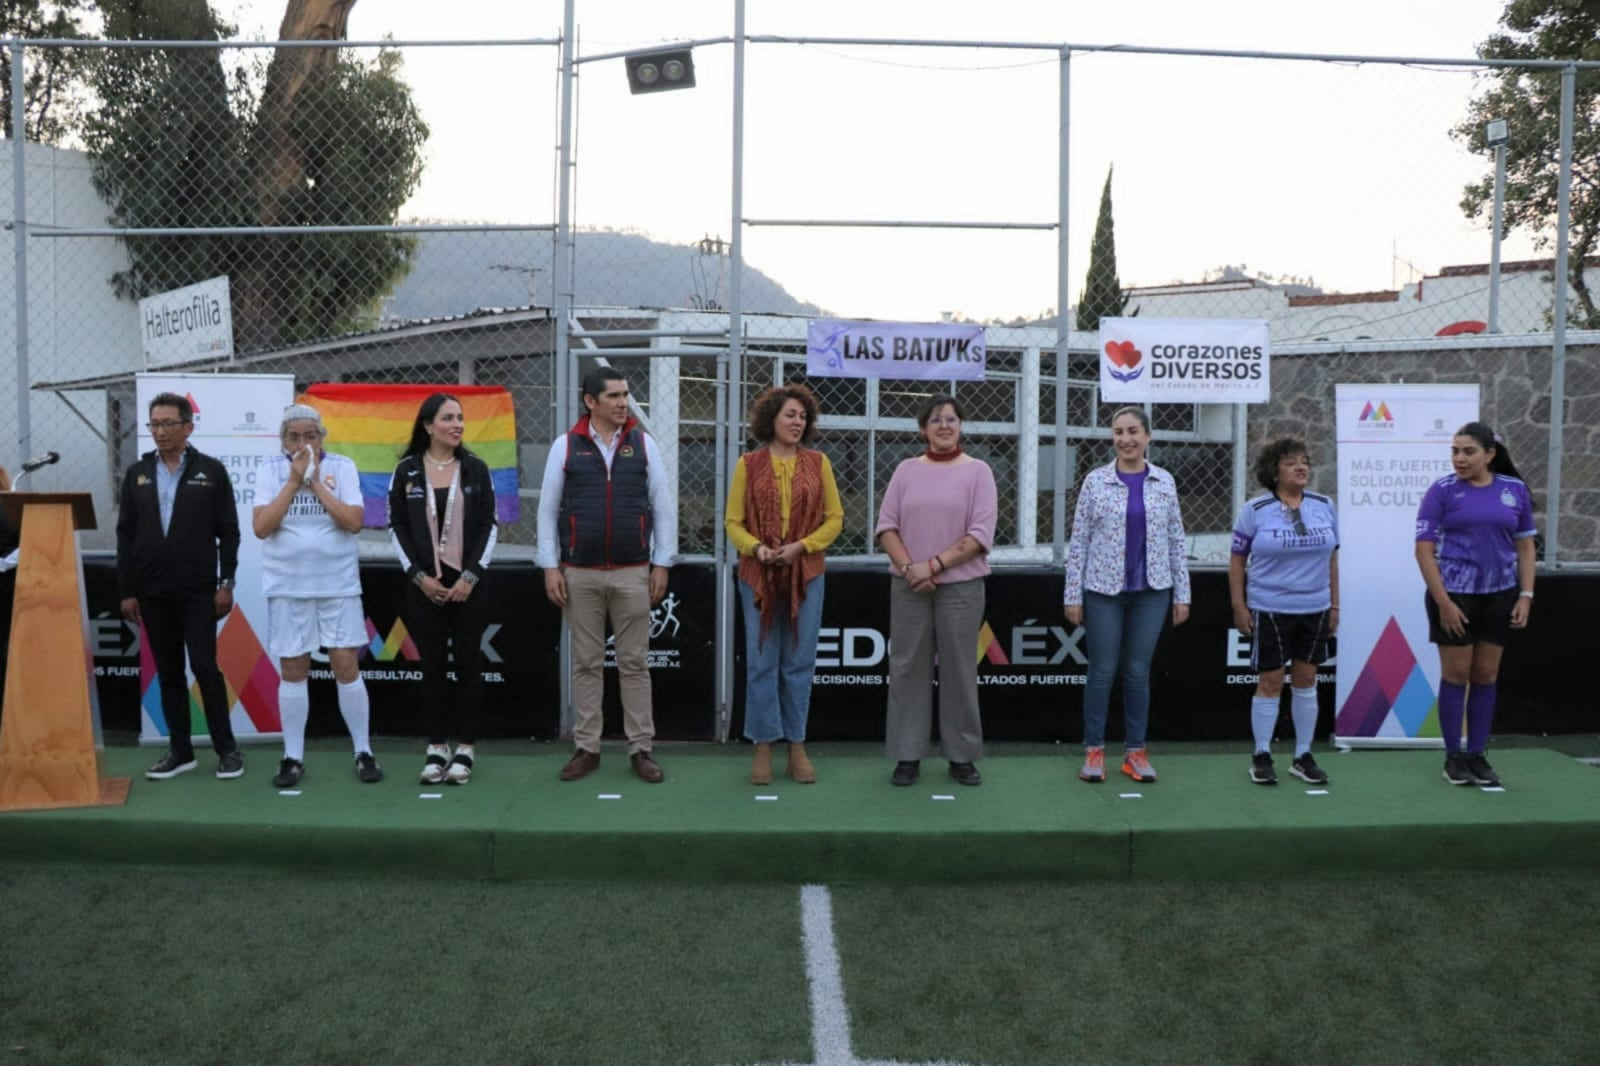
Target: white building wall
(77,328)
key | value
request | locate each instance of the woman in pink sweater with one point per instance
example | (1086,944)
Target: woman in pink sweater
(937,526)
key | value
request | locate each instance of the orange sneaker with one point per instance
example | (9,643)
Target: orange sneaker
(1094,766)
(1136,766)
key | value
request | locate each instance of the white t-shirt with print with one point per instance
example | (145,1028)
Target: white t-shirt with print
(308,556)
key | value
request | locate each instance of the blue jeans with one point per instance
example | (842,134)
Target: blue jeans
(778,671)
(1121,632)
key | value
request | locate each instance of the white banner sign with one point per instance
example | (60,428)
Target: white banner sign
(906,350)
(1184,360)
(235,422)
(1394,441)
(187,324)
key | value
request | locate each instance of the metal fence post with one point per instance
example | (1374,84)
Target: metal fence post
(1558,342)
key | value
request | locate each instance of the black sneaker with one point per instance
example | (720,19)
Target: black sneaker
(965,773)
(1482,773)
(1456,771)
(1261,770)
(168,766)
(1306,769)
(231,765)
(905,773)
(368,772)
(290,771)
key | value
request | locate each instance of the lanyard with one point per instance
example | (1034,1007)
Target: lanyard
(441,536)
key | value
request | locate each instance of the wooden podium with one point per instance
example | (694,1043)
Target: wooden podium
(47,751)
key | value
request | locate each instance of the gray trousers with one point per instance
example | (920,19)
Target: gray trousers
(945,622)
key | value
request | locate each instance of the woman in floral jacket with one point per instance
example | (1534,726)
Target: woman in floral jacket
(1126,564)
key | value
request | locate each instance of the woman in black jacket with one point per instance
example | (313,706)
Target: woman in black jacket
(442,523)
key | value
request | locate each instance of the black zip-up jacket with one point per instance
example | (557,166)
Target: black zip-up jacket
(200,547)
(408,514)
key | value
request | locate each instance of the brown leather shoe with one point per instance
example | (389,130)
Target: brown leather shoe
(582,764)
(800,766)
(646,768)
(761,765)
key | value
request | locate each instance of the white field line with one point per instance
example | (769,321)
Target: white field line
(830,1015)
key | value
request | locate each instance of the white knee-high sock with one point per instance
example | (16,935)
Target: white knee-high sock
(294,707)
(357,710)
(1303,706)
(1263,716)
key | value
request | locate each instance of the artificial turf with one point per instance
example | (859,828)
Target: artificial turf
(138,965)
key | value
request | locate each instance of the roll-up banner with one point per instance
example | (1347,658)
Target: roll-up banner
(235,422)
(1393,442)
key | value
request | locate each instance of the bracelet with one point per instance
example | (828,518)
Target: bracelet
(1525,594)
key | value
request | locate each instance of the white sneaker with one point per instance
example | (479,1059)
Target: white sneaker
(460,769)
(433,770)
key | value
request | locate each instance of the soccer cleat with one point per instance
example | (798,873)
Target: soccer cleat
(290,771)
(459,771)
(1455,769)
(1137,766)
(1261,770)
(433,768)
(1306,769)
(368,772)
(169,766)
(1482,773)
(231,765)
(1094,766)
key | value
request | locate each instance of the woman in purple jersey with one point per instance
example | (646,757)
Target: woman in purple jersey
(1475,549)
(1283,572)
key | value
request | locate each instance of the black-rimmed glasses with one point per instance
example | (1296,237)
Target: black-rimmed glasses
(1293,515)
(163,424)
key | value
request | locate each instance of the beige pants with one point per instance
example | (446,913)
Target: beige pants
(623,595)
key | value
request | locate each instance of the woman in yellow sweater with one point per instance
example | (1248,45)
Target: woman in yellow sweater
(783,511)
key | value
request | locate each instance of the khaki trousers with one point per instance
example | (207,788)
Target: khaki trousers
(946,623)
(623,596)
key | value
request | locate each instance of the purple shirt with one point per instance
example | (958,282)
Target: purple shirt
(933,505)
(1133,579)
(1476,529)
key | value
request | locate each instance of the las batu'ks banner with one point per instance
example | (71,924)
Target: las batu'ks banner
(372,423)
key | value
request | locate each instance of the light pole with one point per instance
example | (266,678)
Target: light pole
(1495,135)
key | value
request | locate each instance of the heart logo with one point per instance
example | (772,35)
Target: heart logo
(1123,354)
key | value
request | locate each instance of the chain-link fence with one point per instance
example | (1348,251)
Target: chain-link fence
(291,169)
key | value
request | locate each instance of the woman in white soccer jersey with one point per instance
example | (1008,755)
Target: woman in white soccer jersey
(311,576)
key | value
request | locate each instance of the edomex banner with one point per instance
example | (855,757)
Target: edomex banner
(1394,441)
(236,422)
(907,350)
(372,424)
(1184,360)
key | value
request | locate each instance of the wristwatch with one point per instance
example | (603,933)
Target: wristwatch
(225,583)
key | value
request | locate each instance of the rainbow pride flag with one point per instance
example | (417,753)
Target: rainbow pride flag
(372,423)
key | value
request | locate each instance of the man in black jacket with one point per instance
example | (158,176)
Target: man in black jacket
(177,549)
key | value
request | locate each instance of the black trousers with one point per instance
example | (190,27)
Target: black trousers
(173,625)
(446,636)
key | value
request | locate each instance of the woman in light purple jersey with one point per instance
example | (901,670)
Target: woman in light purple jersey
(1476,552)
(1283,575)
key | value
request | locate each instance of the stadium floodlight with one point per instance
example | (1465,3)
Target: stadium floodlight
(659,71)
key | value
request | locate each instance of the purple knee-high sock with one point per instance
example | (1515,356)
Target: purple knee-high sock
(1480,714)
(1452,707)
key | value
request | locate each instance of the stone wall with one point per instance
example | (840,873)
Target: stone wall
(1514,375)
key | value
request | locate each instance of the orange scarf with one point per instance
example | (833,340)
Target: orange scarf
(776,587)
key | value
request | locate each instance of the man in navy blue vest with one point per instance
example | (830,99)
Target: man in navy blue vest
(608,535)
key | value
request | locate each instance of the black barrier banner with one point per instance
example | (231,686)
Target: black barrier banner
(1031,666)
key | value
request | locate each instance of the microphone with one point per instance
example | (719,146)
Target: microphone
(42,461)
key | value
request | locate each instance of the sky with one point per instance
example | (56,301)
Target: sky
(1344,173)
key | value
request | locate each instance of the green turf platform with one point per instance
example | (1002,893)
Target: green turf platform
(1383,812)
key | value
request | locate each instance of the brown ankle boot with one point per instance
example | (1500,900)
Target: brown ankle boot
(800,768)
(761,766)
